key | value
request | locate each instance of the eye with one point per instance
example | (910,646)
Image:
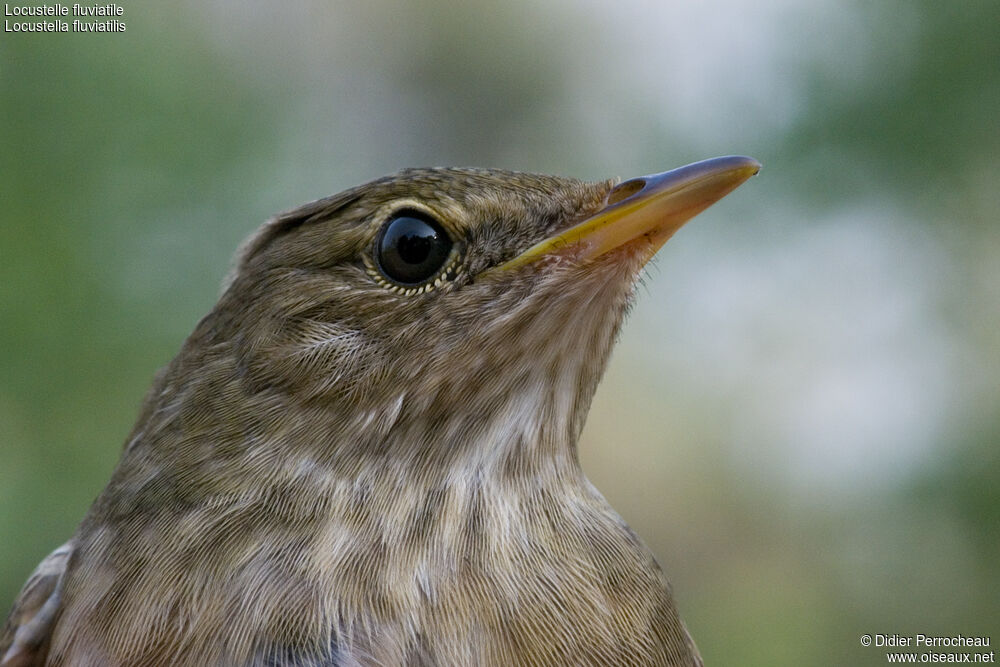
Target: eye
(411,248)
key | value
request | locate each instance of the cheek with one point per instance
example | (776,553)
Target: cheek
(311,358)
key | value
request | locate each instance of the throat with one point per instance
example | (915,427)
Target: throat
(370,545)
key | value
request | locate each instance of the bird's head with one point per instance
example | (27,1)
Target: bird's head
(438,307)
(375,427)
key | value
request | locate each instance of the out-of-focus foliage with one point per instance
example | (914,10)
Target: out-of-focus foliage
(801,419)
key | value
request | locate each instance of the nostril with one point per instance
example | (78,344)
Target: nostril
(625,190)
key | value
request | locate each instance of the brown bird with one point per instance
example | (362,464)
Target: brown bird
(366,452)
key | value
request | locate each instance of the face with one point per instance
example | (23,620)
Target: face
(387,297)
(390,280)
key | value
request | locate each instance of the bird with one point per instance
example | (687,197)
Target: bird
(366,452)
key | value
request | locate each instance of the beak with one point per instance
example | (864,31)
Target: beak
(650,207)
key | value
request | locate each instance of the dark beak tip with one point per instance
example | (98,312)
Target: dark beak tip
(738,167)
(734,162)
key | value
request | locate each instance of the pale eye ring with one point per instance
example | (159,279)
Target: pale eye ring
(412,247)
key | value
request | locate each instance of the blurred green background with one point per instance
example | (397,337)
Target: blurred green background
(802,417)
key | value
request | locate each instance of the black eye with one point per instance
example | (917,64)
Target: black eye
(412,247)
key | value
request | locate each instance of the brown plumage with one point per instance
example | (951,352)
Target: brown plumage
(353,463)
